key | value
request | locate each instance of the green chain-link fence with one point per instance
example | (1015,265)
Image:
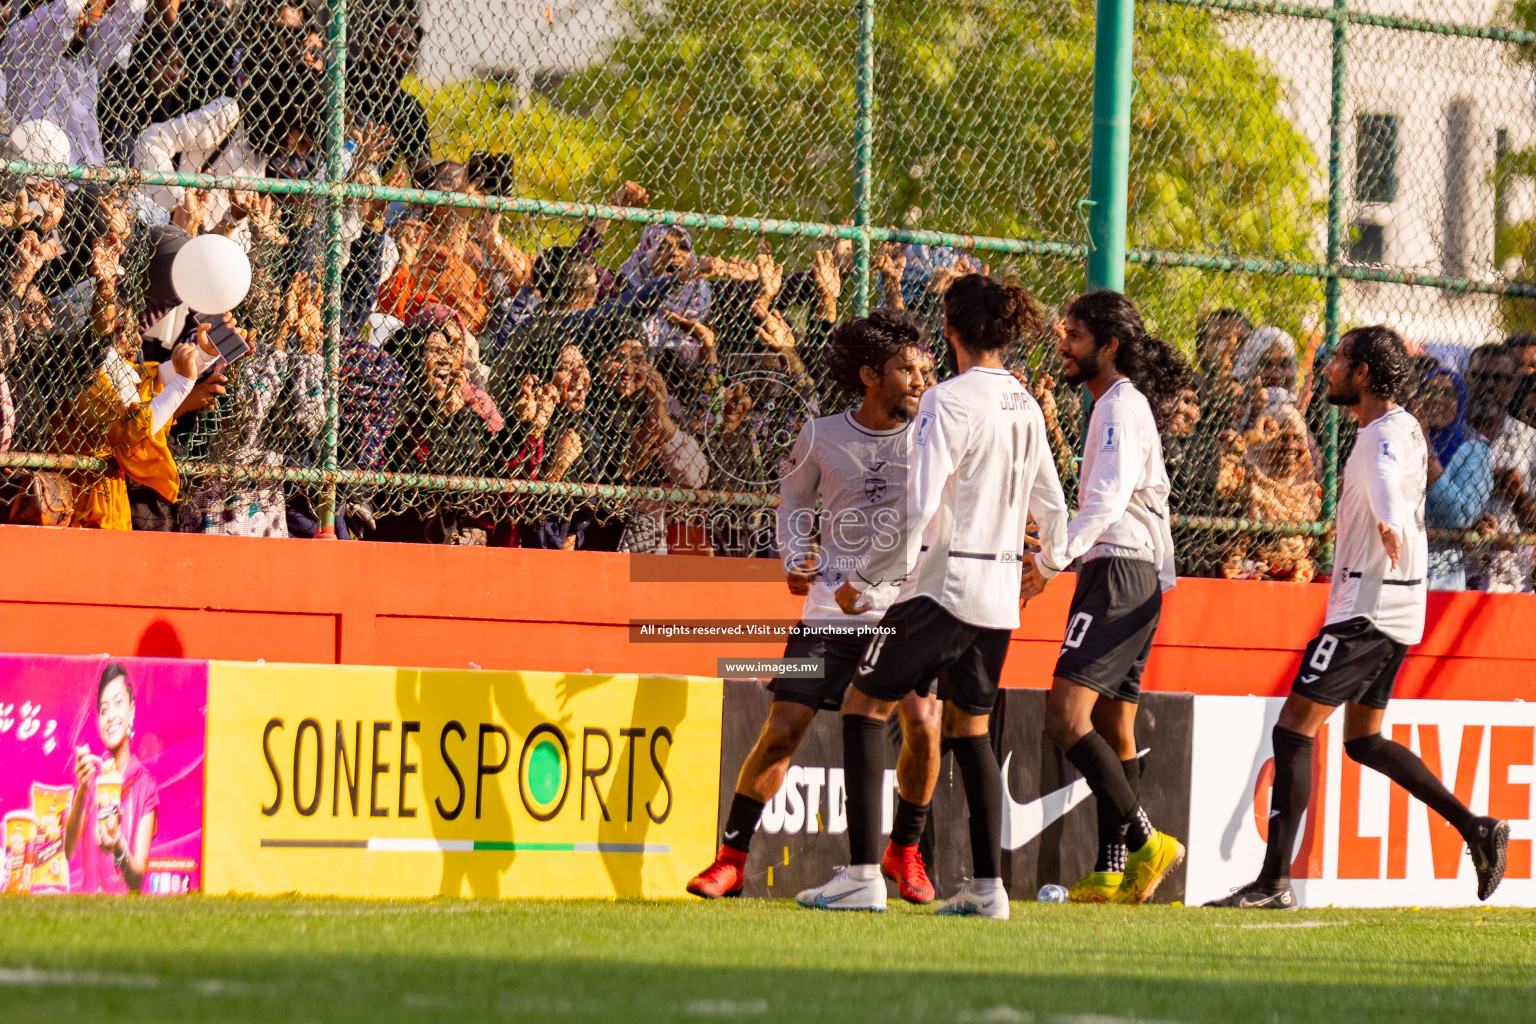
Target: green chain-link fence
(467,328)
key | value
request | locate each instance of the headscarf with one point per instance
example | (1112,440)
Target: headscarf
(1449,438)
(693,300)
(1274,494)
(433,317)
(1246,366)
(1257,346)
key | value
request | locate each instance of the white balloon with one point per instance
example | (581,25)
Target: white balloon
(211,274)
(40,142)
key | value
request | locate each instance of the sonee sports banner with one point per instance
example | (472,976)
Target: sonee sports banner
(403,782)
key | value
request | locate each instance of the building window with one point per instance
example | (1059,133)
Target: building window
(1369,244)
(1376,158)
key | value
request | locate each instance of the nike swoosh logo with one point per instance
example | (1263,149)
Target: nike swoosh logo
(824,900)
(733,835)
(1024,822)
(1308,680)
(875,467)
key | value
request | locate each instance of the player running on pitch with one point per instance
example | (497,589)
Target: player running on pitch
(1121,533)
(1375,613)
(855,463)
(981,466)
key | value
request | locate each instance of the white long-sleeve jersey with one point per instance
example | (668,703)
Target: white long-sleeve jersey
(1122,501)
(1385,481)
(981,466)
(860,477)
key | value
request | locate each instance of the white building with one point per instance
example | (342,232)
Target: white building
(1426,117)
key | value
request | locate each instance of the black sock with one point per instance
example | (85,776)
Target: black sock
(1112,849)
(863,772)
(1287,802)
(1098,764)
(984,798)
(907,827)
(741,822)
(1403,767)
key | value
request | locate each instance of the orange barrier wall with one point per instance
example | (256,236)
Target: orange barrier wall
(178,595)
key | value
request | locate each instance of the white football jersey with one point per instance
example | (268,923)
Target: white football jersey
(1122,502)
(1385,481)
(860,477)
(981,466)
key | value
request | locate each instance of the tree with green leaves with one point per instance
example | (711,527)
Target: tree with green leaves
(982,125)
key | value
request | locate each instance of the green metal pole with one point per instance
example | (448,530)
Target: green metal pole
(863,153)
(1114,43)
(1334,284)
(335,251)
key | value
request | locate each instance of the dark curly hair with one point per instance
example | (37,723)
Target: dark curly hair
(1153,366)
(1384,354)
(990,315)
(871,341)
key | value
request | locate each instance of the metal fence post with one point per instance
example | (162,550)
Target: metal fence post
(335,253)
(863,153)
(1334,284)
(1113,49)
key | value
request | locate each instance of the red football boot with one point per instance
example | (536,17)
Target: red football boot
(726,876)
(904,866)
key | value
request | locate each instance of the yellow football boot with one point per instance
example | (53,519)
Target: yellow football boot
(1146,868)
(1097,887)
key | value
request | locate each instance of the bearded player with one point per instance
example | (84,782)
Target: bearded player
(981,467)
(855,465)
(1376,606)
(1121,533)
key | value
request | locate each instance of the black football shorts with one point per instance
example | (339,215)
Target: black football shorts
(967,660)
(840,658)
(1115,611)
(1350,661)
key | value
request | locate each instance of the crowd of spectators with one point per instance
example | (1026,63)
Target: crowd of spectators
(656,366)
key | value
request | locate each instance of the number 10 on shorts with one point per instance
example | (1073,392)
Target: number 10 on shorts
(1077,630)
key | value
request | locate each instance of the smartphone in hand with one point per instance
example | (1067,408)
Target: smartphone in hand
(230,342)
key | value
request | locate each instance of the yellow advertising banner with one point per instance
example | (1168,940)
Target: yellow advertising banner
(361,781)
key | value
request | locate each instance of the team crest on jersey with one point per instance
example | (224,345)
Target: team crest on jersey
(1387,452)
(874,488)
(924,424)
(1111,438)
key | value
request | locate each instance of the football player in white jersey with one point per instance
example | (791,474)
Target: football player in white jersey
(855,465)
(1375,613)
(1122,535)
(981,467)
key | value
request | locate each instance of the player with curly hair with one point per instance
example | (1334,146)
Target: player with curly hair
(1376,607)
(1121,532)
(855,465)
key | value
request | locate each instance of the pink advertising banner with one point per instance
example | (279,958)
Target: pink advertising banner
(101,774)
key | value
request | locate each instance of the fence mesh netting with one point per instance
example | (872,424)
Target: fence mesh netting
(564,274)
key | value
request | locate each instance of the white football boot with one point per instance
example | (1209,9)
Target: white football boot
(844,892)
(992,902)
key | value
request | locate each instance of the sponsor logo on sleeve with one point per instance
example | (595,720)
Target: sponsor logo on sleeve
(924,425)
(1111,438)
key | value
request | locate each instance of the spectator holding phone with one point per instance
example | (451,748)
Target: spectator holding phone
(127,411)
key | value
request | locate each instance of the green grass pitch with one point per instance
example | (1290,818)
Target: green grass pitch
(66,959)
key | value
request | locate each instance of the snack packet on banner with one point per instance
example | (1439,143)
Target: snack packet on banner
(50,805)
(20,851)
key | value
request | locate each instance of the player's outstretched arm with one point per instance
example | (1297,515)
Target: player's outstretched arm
(1384,493)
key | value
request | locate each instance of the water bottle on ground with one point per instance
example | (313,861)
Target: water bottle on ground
(1053,893)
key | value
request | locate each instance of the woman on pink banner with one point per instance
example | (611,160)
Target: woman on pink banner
(117,801)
